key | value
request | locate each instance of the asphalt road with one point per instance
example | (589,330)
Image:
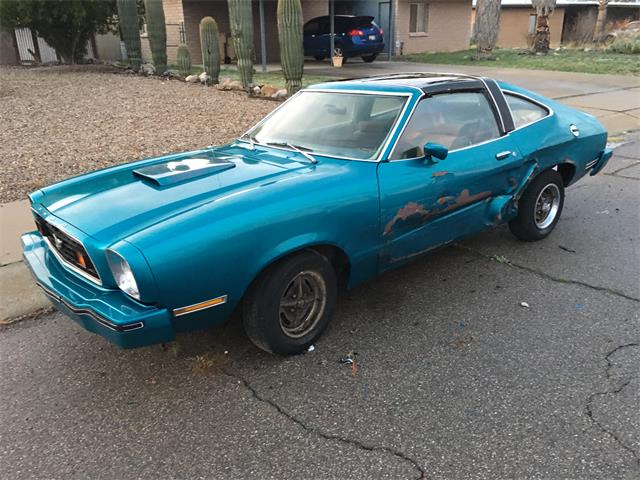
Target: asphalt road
(455,378)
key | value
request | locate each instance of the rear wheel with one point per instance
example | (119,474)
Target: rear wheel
(290,304)
(539,208)
(370,58)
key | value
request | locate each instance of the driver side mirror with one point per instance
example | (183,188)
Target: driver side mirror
(435,150)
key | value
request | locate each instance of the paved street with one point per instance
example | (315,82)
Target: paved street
(454,379)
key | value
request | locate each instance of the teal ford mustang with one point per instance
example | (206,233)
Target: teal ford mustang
(343,181)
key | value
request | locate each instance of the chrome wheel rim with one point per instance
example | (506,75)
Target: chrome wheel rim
(302,304)
(547,206)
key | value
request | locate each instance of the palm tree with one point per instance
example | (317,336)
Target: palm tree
(486,27)
(543,34)
(602,17)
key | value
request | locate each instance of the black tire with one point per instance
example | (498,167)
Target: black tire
(267,325)
(370,58)
(319,57)
(533,222)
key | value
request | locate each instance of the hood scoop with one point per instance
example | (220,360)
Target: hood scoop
(175,171)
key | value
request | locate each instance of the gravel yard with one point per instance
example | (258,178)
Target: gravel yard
(63,121)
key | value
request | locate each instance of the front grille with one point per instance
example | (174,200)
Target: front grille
(71,251)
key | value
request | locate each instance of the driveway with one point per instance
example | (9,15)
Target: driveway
(614,99)
(454,377)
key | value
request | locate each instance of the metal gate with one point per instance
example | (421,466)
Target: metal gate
(27,49)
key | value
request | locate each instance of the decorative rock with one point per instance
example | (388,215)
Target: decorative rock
(223,84)
(268,90)
(192,79)
(148,69)
(203,77)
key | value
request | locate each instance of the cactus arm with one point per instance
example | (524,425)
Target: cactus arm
(210,45)
(130,31)
(157,34)
(291,48)
(241,21)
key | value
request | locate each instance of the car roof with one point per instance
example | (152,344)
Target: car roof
(428,82)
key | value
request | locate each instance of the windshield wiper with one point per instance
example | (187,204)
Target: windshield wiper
(298,148)
(252,140)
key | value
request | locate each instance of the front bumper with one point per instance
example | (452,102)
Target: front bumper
(599,163)
(107,312)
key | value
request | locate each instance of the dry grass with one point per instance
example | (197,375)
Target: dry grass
(63,121)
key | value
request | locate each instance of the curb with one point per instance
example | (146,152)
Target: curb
(19,293)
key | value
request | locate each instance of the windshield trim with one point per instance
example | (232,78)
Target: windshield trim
(381,150)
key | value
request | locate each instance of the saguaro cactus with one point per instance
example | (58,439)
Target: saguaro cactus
(184,60)
(241,20)
(128,19)
(210,45)
(157,34)
(291,49)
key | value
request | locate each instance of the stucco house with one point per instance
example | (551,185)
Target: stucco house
(571,21)
(414,25)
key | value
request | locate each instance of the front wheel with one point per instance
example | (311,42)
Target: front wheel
(539,208)
(369,58)
(290,304)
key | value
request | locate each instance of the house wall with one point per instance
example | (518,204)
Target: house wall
(514,27)
(108,47)
(448,28)
(195,10)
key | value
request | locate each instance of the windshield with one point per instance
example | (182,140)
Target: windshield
(351,125)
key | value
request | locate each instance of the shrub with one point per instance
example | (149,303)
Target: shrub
(628,43)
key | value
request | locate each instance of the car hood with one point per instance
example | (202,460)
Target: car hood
(116,202)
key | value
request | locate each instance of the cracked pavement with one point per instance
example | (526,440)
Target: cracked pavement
(455,379)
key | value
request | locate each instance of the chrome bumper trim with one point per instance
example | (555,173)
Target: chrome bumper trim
(85,311)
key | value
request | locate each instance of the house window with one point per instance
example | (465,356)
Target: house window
(533,18)
(418,17)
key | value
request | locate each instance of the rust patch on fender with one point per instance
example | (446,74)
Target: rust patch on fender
(409,210)
(412,209)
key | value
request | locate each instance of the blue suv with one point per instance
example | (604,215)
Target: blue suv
(355,36)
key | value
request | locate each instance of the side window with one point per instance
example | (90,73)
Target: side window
(524,111)
(455,120)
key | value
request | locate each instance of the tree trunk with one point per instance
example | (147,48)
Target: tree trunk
(600,21)
(542,38)
(486,27)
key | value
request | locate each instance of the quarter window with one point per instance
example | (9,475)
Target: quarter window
(418,17)
(455,120)
(524,111)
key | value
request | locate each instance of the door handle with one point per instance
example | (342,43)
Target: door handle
(503,155)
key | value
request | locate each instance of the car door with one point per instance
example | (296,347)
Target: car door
(426,203)
(311,39)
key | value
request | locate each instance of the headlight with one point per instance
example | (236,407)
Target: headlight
(122,274)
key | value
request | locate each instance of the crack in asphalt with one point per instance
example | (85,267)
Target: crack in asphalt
(592,397)
(422,474)
(545,275)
